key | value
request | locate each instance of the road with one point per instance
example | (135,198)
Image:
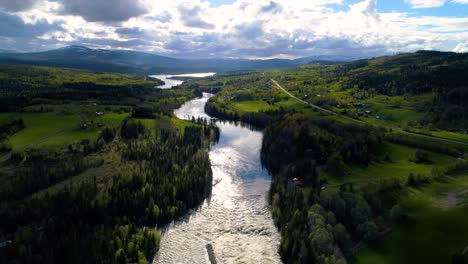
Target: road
(362,122)
(315,106)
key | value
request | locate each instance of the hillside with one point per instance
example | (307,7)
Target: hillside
(442,74)
(361,165)
(427,88)
(139,62)
(89,161)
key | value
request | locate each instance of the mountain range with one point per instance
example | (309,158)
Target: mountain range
(104,60)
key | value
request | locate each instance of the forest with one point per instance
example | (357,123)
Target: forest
(101,198)
(342,183)
(313,223)
(363,157)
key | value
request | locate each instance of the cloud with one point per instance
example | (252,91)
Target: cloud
(164,17)
(463,2)
(241,29)
(427,3)
(103,10)
(272,7)
(133,32)
(17,35)
(14,26)
(192,17)
(367,8)
(110,43)
(461,47)
(250,31)
(17,5)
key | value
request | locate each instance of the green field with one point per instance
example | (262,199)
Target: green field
(435,228)
(393,117)
(7,116)
(400,166)
(110,119)
(253,106)
(261,105)
(41,126)
(451,135)
(53,131)
(164,122)
(180,124)
(73,136)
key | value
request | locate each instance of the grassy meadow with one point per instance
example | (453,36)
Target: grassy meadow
(435,229)
(40,126)
(399,165)
(56,130)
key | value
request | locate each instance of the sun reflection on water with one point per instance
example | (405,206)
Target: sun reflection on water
(235,220)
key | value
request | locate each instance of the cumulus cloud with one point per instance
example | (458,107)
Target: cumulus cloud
(103,10)
(14,26)
(132,32)
(272,7)
(463,2)
(241,29)
(461,47)
(193,17)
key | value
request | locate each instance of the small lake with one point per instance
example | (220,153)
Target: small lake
(169,80)
(235,222)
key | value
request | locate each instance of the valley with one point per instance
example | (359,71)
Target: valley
(318,163)
(233,132)
(354,145)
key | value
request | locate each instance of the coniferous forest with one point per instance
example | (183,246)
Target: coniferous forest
(362,156)
(98,200)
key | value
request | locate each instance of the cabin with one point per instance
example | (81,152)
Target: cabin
(298,182)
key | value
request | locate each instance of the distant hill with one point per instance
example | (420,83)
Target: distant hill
(441,74)
(6,51)
(140,62)
(413,73)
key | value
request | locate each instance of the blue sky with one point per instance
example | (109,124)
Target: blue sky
(449,9)
(238,28)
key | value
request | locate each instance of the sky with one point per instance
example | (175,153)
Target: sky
(252,29)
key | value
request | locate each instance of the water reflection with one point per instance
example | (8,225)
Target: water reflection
(170,82)
(235,220)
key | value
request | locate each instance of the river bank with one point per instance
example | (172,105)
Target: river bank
(235,221)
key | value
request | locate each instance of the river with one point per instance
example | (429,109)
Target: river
(235,221)
(169,82)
